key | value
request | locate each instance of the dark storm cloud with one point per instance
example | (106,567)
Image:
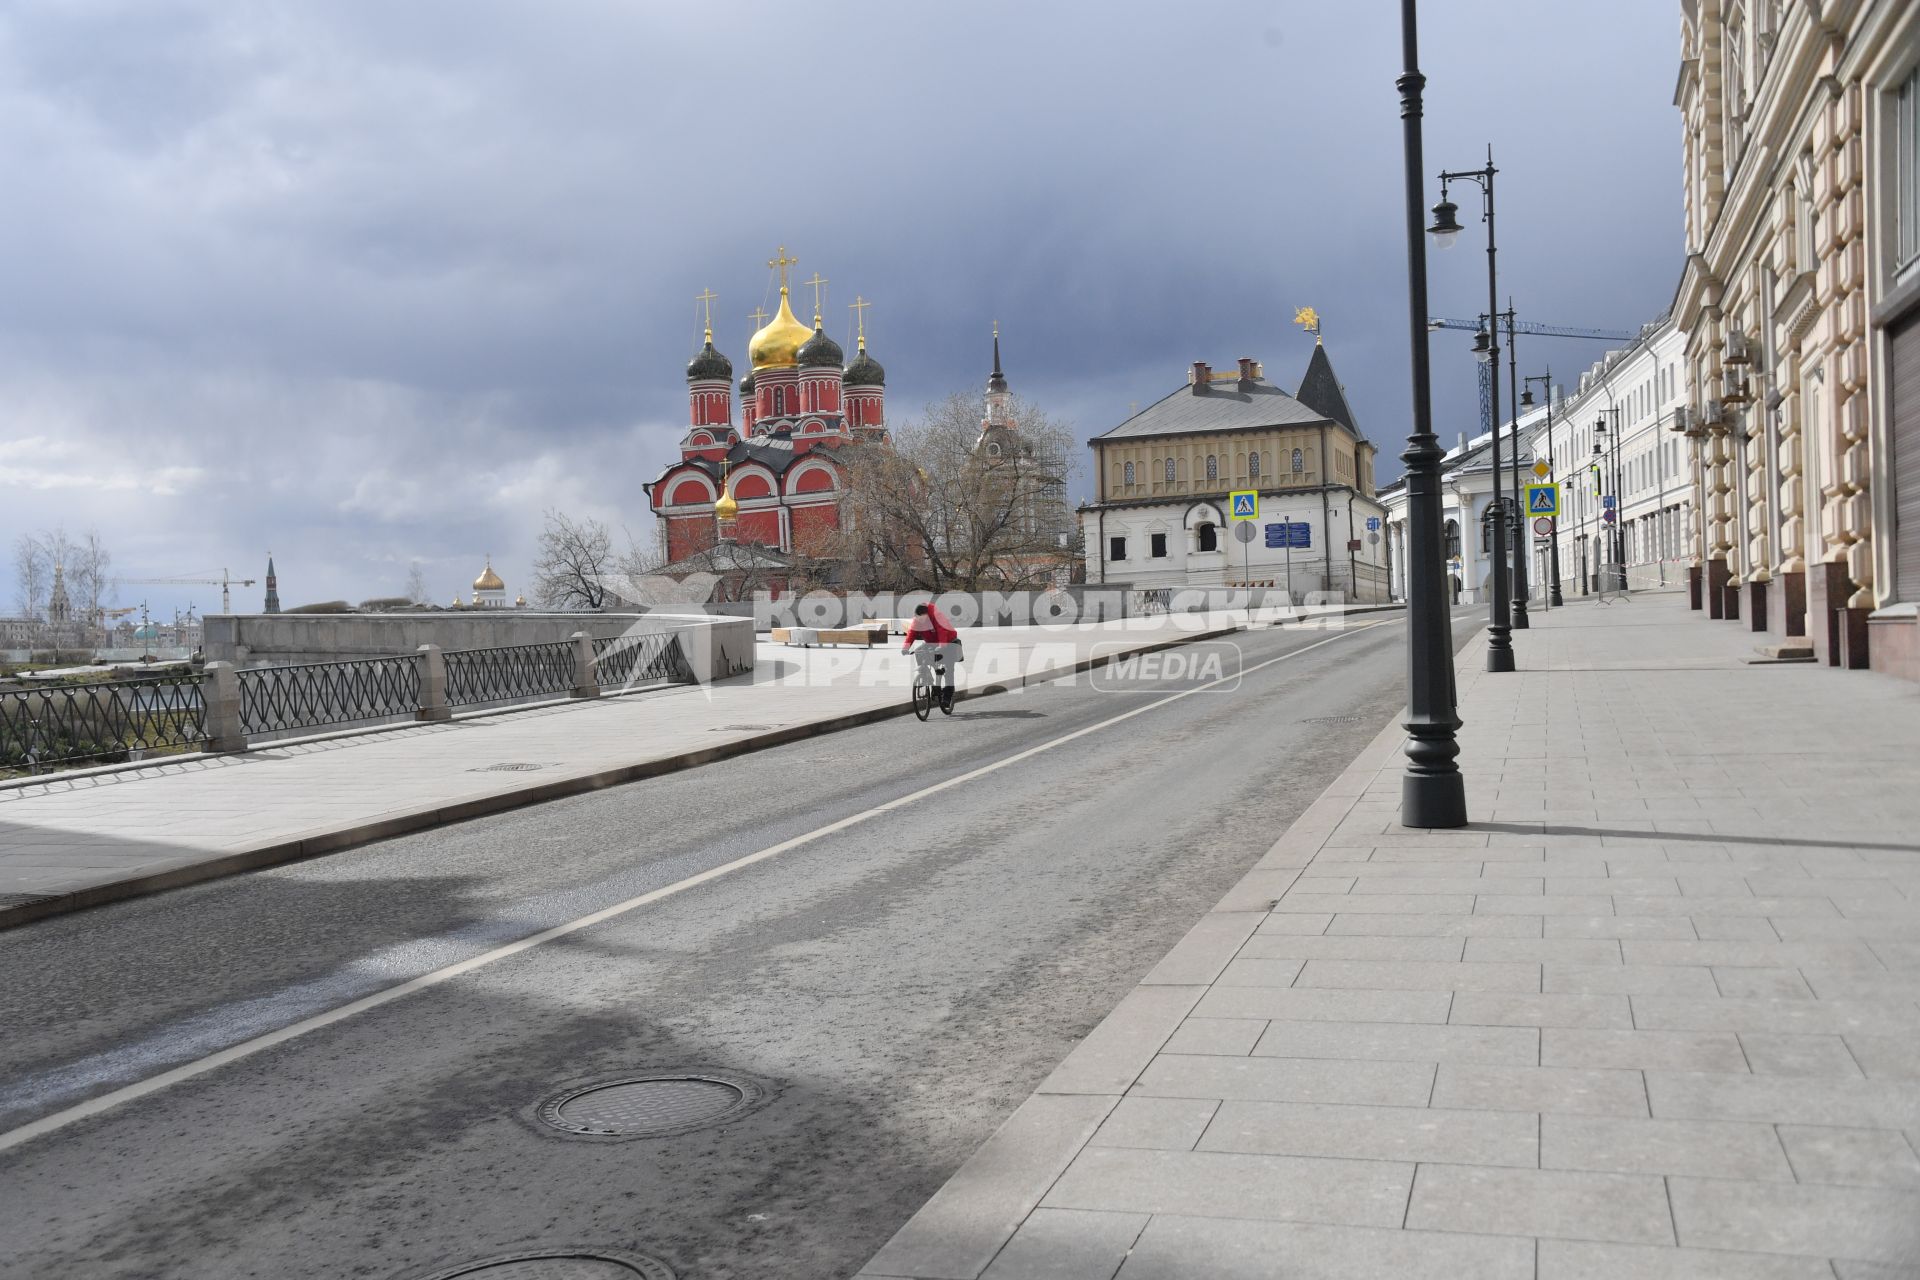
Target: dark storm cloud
(369,283)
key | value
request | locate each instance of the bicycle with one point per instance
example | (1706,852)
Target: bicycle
(930,681)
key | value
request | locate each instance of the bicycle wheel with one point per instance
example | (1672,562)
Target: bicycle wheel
(922,699)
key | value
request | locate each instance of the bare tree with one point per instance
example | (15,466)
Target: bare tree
(942,509)
(85,568)
(416,589)
(33,575)
(578,567)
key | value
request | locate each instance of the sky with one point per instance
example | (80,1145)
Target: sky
(365,284)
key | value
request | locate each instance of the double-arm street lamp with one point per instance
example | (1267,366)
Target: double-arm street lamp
(1606,453)
(1554,598)
(1432,792)
(1445,230)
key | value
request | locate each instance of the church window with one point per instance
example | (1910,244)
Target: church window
(1209,537)
(1453,539)
(1213,467)
(1253,463)
(1299,463)
(1129,473)
(1159,544)
(1116,548)
(1169,470)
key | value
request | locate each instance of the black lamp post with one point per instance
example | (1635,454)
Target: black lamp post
(1445,230)
(1521,542)
(1554,597)
(1432,792)
(1606,449)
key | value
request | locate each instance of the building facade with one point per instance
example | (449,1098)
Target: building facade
(1799,314)
(1161,515)
(772,479)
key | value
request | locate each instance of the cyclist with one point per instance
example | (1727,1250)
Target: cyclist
(931,627)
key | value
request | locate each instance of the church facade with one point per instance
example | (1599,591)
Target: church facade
(770,481)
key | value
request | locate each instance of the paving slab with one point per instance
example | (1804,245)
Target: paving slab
(1663,994)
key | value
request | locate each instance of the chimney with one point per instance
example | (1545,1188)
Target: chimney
(1200,376)
(1463,445)
(1246,373)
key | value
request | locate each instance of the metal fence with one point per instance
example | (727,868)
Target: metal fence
(102,722)
(628,661)
(313,695)
(506,674)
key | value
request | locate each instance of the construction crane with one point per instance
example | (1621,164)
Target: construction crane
(1488,372)
(224,581)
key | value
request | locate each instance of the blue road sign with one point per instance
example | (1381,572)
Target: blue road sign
(1373,522)
(1299,534)
(1607,501)
(1276,535)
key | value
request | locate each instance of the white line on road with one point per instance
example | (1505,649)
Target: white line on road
(247,1048)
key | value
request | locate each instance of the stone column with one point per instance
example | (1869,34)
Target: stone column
(433,685)
(220,690)
(586,669)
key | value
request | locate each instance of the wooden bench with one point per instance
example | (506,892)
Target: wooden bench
(867,635)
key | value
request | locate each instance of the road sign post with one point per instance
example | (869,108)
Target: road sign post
(1246,533)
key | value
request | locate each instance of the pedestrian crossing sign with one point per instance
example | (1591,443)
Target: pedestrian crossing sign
(1543,499)
(1246,504)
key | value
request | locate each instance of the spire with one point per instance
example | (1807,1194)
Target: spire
(1321,392)
(273,588)
(998,381)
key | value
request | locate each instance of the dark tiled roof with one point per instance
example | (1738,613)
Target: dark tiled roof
(1223,407)
(1320,391)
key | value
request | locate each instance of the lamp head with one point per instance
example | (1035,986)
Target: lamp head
(1483,346)
(1526,398)
(1446,223)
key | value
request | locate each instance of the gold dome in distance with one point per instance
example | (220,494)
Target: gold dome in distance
(776,345)
(488,579)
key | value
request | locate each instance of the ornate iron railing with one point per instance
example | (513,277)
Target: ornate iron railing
(103,721)
(507,673)
(627,661)
(312,695)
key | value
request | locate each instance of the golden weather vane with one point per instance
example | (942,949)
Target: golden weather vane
(859,307)
(818,282)
(1309,320)
(782,262)
(706,298)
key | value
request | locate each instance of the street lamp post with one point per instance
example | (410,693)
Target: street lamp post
(1432,792)
(1445,230)
(1554,597)
(1606,448)
(1521,539)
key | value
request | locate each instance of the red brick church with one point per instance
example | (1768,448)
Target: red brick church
(772,483)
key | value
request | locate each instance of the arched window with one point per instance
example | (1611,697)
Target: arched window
(1453,534)
(1213,467)
(1299,463)
(1253,463)
(1169,470)
(1209,538)
(1129,472)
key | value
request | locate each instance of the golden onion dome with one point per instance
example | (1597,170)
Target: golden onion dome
(726,508)
(488,579)
(777,346)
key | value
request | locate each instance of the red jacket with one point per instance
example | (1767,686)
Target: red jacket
(932,626)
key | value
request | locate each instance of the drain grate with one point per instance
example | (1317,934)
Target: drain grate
(511,766)
(596,1264)
(652,1106)
(22,899)
(1337,720)
(729,728)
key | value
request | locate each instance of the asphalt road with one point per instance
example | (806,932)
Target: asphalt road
(896,985)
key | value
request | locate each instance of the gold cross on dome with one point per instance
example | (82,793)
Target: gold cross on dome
(759,317)
(818,282)
(859,307)
(706,298)
(782,262)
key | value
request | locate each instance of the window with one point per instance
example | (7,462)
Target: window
(1158,542)
(1906,173)
(1453,539)
(1299,463)
(1213,467)
(1209,537)
(1253,463)
(1129,480)
(1117,547)
(1169,473)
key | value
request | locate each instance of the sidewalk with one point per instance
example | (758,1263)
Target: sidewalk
(1656,1013)
(78,840)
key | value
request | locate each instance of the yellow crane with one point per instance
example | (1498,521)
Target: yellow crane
(224,581)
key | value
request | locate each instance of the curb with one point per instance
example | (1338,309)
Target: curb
(407,821)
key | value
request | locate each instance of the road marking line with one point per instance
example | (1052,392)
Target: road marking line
(246,1048)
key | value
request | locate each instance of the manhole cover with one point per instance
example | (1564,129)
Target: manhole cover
(598,1264)
(729,728)
(652,1106)
(511,766)
(1335,720)
(22,899)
